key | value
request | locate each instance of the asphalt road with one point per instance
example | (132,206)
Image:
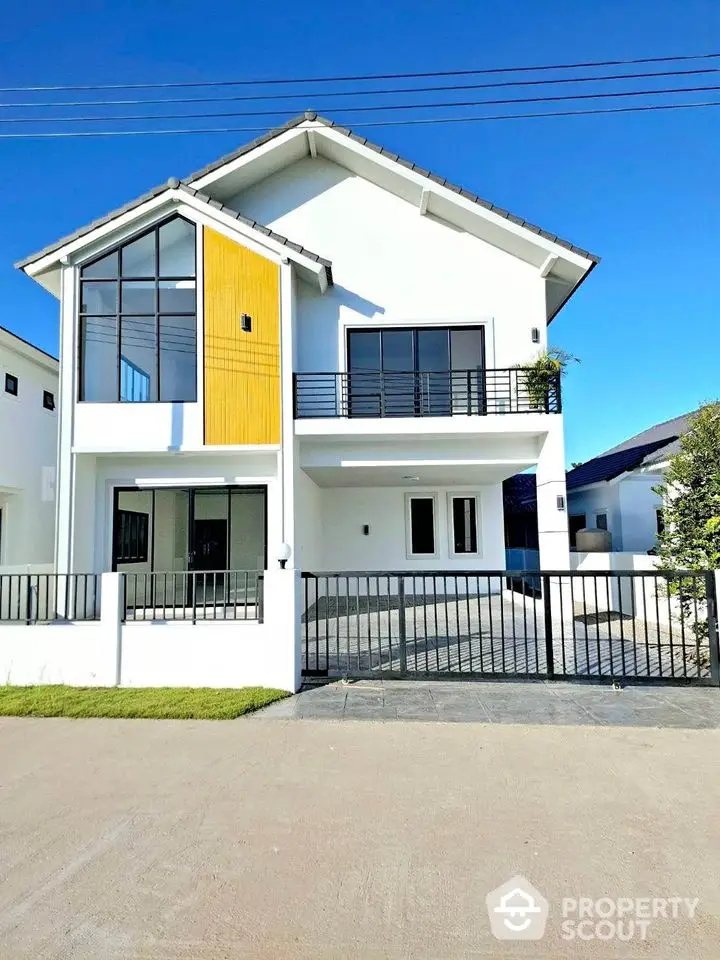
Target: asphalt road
(274,838)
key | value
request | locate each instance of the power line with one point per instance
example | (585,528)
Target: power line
(358,77)
(358,93)
(367,108)
(648,108)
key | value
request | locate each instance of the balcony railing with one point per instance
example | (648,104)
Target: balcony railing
(425,394)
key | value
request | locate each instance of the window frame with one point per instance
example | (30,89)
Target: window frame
(143,522)
(48,400)
(157,279)
(464,495)
(601,512)
(11,378)
(420,495)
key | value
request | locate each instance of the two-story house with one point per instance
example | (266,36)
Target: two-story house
(28,451)
(309,350)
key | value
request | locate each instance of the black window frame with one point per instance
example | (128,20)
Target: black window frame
(410,498)
(157,279)
(12,384)
(474,551)
(48,400)
(138,537)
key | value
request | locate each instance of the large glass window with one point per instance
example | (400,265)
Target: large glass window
(138,323)
(416,371)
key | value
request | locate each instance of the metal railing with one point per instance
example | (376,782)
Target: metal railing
(194,595)
(46,597)
(604,625)
(424,394)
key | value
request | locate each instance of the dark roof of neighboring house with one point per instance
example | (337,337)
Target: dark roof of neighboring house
(651,446)
(520,493)
(296,121)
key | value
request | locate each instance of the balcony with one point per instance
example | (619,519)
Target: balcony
(445,393)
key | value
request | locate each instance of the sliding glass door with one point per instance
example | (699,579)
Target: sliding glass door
(415,371)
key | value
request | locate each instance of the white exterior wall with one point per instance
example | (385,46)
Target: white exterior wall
(638,506)
(384,509)
(630,504)
(28,441)
(392,265)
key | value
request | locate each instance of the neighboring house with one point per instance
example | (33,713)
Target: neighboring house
(348,396)
(28,441)
(614,491)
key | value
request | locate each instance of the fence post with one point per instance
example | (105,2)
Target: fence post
(112,614)
(712,585)
(401,624)
(547,605)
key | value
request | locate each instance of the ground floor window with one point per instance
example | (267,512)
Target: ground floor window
(421,534)
(463,515)
(601,521)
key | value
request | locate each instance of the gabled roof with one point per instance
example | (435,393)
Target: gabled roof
(650,447)
(433,177)
(27,349)
(174,184)
(310,120)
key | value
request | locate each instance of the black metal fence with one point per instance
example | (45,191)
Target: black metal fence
(46,597)
(425,394)
(194,595)
(603,625)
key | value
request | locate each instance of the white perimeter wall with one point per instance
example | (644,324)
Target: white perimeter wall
(28,453)
(392,265)
(343,546)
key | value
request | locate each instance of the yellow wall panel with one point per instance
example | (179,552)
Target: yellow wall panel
(242,370)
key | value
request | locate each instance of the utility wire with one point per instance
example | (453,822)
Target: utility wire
(358,77)
(365,108)
(360,93)
(70,134)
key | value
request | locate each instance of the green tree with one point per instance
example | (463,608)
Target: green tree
(690,539)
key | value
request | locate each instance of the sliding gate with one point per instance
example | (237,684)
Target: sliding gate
(656,625)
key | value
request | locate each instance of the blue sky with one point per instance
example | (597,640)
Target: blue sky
(639,189)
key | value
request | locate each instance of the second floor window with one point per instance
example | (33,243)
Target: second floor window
(138,324)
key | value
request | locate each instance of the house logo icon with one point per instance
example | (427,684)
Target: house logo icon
(517,911)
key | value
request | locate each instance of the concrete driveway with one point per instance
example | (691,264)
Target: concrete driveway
(273,838)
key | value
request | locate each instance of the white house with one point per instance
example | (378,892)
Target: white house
(310,349)
(28,441)
(615,490)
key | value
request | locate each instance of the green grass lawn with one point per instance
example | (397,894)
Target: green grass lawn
(156,703)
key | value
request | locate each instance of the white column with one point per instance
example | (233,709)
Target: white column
(552,520)
(281,613)
(287,457)
(112,595)
(65,459)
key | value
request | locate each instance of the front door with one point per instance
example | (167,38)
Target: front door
(208,553)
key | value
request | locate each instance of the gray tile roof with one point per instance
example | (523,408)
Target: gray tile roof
(346,131)
(653,445)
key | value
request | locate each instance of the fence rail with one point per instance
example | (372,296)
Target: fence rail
(194,595)
(45,597)
(425,394)
(606,625)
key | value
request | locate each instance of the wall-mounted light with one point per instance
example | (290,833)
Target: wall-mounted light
(366,529)
(284,554)
(561,503)
(535,333)
(246,323)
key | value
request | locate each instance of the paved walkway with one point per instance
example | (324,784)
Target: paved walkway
(262,839)
(526,702)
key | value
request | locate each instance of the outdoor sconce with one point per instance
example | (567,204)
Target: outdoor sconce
(246,323)
(284,554)
(366,529)
(561,503)
(535,335)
